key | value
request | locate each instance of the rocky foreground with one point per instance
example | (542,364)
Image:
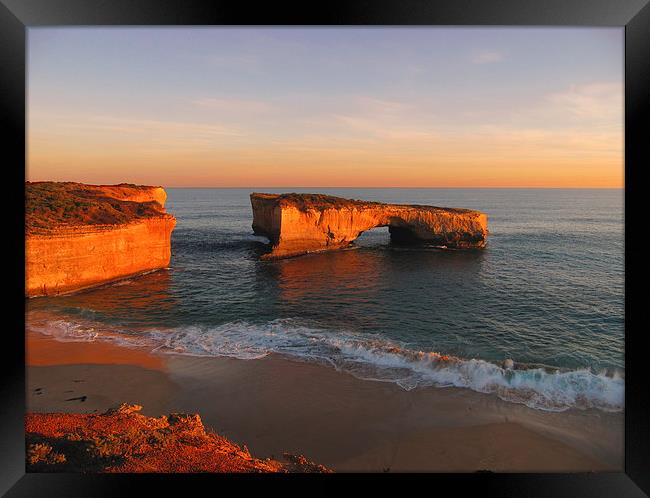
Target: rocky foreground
(303,223)
(122,440)
(79,236)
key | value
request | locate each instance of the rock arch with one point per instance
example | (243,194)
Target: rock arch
(303,223)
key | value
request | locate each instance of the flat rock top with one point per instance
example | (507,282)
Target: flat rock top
(50,206)
(306,202)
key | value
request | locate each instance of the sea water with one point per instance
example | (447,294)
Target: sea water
(547,292)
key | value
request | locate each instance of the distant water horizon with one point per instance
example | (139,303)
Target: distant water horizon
(547,293)
(393,188)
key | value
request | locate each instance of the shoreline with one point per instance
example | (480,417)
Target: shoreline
(275,405)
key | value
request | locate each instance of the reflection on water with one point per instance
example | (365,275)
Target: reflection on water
(372,263)
(131,301)
(348,274)
(372,287)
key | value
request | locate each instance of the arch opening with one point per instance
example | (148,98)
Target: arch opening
(373,237)
(404,236)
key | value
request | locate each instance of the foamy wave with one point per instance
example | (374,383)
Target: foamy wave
(367,357)
(86,331)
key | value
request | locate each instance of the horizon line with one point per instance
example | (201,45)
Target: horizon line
(392,187)
(503,187)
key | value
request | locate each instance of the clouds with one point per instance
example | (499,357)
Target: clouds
(159,127)
(486,57)
(233,105)
(381,105)
(597,100)
(247,63)
(432,102)
(577,122)
(108,136)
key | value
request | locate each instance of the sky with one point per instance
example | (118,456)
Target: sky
(326,107)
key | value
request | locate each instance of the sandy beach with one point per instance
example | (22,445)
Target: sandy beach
(274,405)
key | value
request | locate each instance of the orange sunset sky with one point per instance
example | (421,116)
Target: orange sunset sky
(327,107)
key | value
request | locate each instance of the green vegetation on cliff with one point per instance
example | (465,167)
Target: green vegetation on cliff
(49,205)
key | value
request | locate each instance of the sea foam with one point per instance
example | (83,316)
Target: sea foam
(365,356)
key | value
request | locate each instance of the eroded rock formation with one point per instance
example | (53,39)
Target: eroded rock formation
(79,236)
(122,440)
(303,223)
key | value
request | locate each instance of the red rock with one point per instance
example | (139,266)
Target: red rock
(303,223)
(122,440)
(80,236)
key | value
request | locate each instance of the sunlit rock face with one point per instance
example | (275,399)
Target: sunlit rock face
(80,236)
(303,223)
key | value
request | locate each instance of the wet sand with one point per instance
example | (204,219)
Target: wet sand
(275,405)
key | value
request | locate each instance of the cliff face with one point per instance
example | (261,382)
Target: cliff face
(79,236)
(302,223)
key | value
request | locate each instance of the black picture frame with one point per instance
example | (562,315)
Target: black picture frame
(18,15)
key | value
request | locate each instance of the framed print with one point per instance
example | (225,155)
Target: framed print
(387,241)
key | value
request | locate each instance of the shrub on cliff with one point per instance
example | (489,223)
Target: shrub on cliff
(49,205)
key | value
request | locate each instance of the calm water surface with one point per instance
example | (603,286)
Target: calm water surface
(546,292)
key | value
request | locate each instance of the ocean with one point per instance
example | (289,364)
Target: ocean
(547,293)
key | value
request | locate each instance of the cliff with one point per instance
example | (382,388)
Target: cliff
(122,440)
(79,236)
(303,223)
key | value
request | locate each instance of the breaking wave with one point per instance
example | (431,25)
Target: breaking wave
(365,356)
